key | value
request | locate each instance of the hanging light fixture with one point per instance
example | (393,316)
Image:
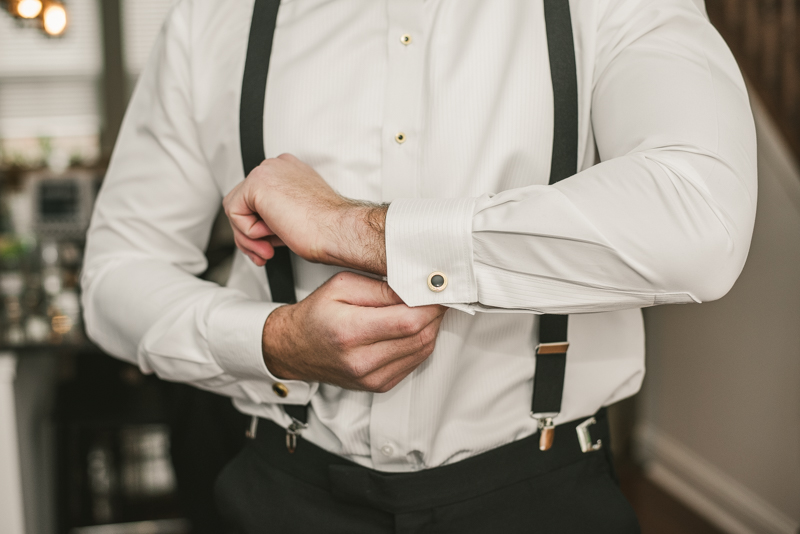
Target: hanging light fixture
(49,15)
(54,18)
(28,9)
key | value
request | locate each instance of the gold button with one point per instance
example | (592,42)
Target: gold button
(280,390)
(437,281)
(400,138)
(405,39)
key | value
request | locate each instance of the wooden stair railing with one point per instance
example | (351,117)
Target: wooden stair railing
(763,35)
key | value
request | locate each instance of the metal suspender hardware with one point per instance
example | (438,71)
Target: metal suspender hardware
(551,353)
(585,439)
(251,432)
(292,432)
(251,139)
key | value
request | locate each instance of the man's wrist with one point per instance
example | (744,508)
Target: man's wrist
(272,341)
(359,240)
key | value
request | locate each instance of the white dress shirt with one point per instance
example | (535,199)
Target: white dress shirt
(666,217)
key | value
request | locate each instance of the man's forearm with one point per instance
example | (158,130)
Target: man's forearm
(304,213)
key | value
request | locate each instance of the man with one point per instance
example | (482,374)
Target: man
(423,136)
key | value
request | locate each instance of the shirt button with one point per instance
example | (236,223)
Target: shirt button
(387,450)
(400,138)
(280,390)
(405,39)
(437,281)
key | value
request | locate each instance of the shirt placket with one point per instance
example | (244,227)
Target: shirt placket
(405,39)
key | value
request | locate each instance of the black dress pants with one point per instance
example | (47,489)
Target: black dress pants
(513,489)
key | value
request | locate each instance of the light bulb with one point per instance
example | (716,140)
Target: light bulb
(54,19)
(29,9)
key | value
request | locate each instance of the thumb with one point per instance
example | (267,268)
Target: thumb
(359,290)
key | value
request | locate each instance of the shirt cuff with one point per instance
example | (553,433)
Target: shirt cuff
(234,336)
(429,250)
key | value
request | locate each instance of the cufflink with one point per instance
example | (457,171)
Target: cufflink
(280,390)
(437,281)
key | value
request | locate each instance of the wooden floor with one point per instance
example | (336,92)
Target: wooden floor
(659,512)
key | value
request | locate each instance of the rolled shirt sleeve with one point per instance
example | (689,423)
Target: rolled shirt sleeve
(666,217)
(142,299)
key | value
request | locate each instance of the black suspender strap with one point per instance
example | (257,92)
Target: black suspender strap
(254,83)
(563,73)
(251,128)
(251,138)
(551,352)
(551,363)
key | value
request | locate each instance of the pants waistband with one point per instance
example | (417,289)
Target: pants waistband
(438,486)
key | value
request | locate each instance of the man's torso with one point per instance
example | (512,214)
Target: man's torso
(471,94)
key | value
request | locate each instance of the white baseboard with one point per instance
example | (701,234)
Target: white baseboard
(711,493)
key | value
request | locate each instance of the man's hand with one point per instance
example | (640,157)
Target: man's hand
(284,201)
(353,332)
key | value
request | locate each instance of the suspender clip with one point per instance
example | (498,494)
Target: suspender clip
(292,431)
(547,432)
(251,432)
(585,439)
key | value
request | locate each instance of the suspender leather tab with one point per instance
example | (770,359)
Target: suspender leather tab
(552,348)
